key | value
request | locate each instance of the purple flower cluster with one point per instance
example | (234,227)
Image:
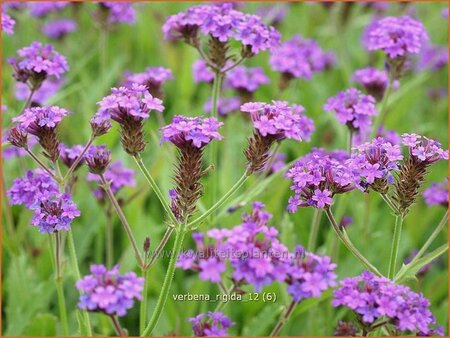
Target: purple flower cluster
(352,108)
(97,158)
(309,275)
(375,161)
(211,324)
(246,79)
(31,188)
(36,119)
(396,36)
(119,12)
(300,58)
(201,72)
(437,194)
(42,8)
(108,291)
(317,177)
(38,60)
(374,297)
(153,78)
(69,155)
(59,28)
(423,149)
(48,89)
(279,120)
(433,57)
(54,212)
(373,80)
(8,23)
(117,175)
(223,22)
(225,105)
(191,130)
(127,103)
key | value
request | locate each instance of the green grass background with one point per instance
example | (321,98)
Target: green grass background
(28,293)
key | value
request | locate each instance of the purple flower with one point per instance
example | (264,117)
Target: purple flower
(211,269)
(396,36)
(317,177)
(373,80)
(277,163)
(300,58)
(437,194)
(153,78)
(98,159)
(373,164)
(246,79)
(223,23)
(279,120)
(108,291)
(47,90)
(191,130)
(39,119)
(433,57)
(117,175)
(8,23)
(225,105)
(54,212)
(59,28)
(133,103)
(423,149)
(32,187)
(14,151)
(352,108)
(118,12)
(374,297)
(43,8)
(69,155)
(201,72)
(211,324)
(36,62)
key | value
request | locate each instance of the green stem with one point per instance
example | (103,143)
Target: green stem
(395,246)
(109,239)
(221,201)
(123,219)
(213,146)
(348,244)
(177,246)
(155,188)
(284,318)
(160,246)
(315,224)
(79,158)
(389,203)
(59,287)
(381,117)
(433,236)
(28,101)
(42,165)
(143,309)
(350,141)
(117,327)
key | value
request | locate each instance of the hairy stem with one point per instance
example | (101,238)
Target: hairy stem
(389,203)
(177,246)
(109,239)
(117,327)
(395,246)
(143,308)
(160,246)
(315,224)
(284,318)
(29,98)
(155,188)
(59,286)
(348,244)
(123,219)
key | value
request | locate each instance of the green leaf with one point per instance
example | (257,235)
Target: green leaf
(263,322)
(409,271)
(43,324)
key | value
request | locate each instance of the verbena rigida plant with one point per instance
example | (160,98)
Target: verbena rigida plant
(214,169)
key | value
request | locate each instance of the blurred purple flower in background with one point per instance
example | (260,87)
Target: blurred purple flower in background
(225,105)
(42,8)
(59,28)
(437,194)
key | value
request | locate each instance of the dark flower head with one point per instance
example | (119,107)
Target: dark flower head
(222,23)
(300,58)
(108,291)
(31,188)
(18,137)
(42,8)
(99,125)
(194,131)
(54,212)
(153,78)
(69,155)
(317,177)
(345,329)
(59,28)
(98,159)
(437,194)
(396,36)
(211,324)
(352,108)
(372,297)
(36,62)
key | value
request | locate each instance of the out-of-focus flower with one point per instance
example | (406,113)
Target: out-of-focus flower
(108,291)
(69,155)
(374,297)
(353,109)
(111,13)
(14,151)
(225,105)
(40,96)
(433,57)
(118,177)
(211,324)
(373,80)
(58,29)
(153,78)
(201,72)
(42,8)
(437,194)
(246,79)
(8,23)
